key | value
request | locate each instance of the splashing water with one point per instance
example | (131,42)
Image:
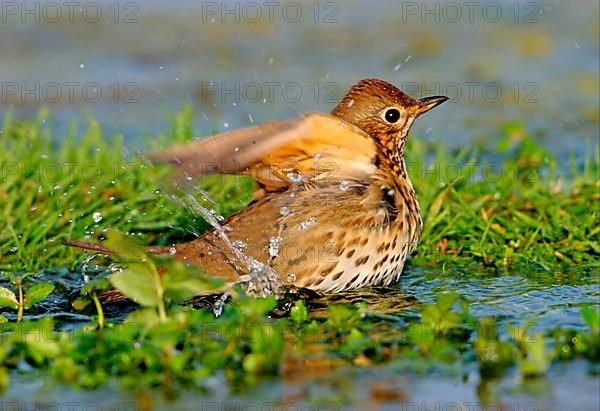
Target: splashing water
(295,178)
(85,265)
(274,244)
(306,224)
(261,280)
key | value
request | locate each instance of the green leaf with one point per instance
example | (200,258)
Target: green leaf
(299,313)
(137,284)
(8,298)
(445,301)
(39,339)
(80,303)
(97,284)
(591,317)
(184,290)
(341,317)
(125,248)
(140,281)
(37,293)
(4,379)
(493,355)
(3,319)
(537,360)
(181,283)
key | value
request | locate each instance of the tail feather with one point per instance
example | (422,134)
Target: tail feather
(99,248)
(111,296)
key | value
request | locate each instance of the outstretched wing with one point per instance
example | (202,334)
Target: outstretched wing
(315,147)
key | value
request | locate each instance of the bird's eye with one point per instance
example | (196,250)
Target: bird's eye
(392,115)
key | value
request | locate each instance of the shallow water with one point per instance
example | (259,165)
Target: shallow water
(346,389)
(512,298)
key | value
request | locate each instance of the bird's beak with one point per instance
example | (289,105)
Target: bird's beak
(427,103)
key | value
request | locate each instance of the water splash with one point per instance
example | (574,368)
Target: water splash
(295,178)
(85,264)
(306,224)
(261,280)
(274,244)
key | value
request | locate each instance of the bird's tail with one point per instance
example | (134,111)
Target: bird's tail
(111,296)
(99,248)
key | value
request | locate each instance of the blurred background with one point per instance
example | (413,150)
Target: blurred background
(130,64)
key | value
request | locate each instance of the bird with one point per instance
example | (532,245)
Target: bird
(333,207)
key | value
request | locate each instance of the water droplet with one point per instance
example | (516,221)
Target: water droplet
(397,66)
(274,244)
(285,211)
(295,178)
(237,149)
(350,103)
(250,118)
(226,124)
(97,217)
(172,251)
(81,66)
(344,185)
(240,245)
(318,157)
(291,277)
(306,224)
(14,249)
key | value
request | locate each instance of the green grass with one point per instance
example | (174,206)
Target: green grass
(51,194)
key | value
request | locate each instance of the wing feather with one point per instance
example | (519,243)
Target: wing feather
(319,147)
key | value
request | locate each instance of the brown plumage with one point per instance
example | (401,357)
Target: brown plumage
(334,208)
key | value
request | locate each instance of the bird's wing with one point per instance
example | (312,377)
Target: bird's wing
(317,147)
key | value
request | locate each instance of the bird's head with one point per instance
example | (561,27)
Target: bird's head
(384,112)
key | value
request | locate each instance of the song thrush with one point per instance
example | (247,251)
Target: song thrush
(334,208)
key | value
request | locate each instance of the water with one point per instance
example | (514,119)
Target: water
(514,299)
(386,389)
(261,279)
